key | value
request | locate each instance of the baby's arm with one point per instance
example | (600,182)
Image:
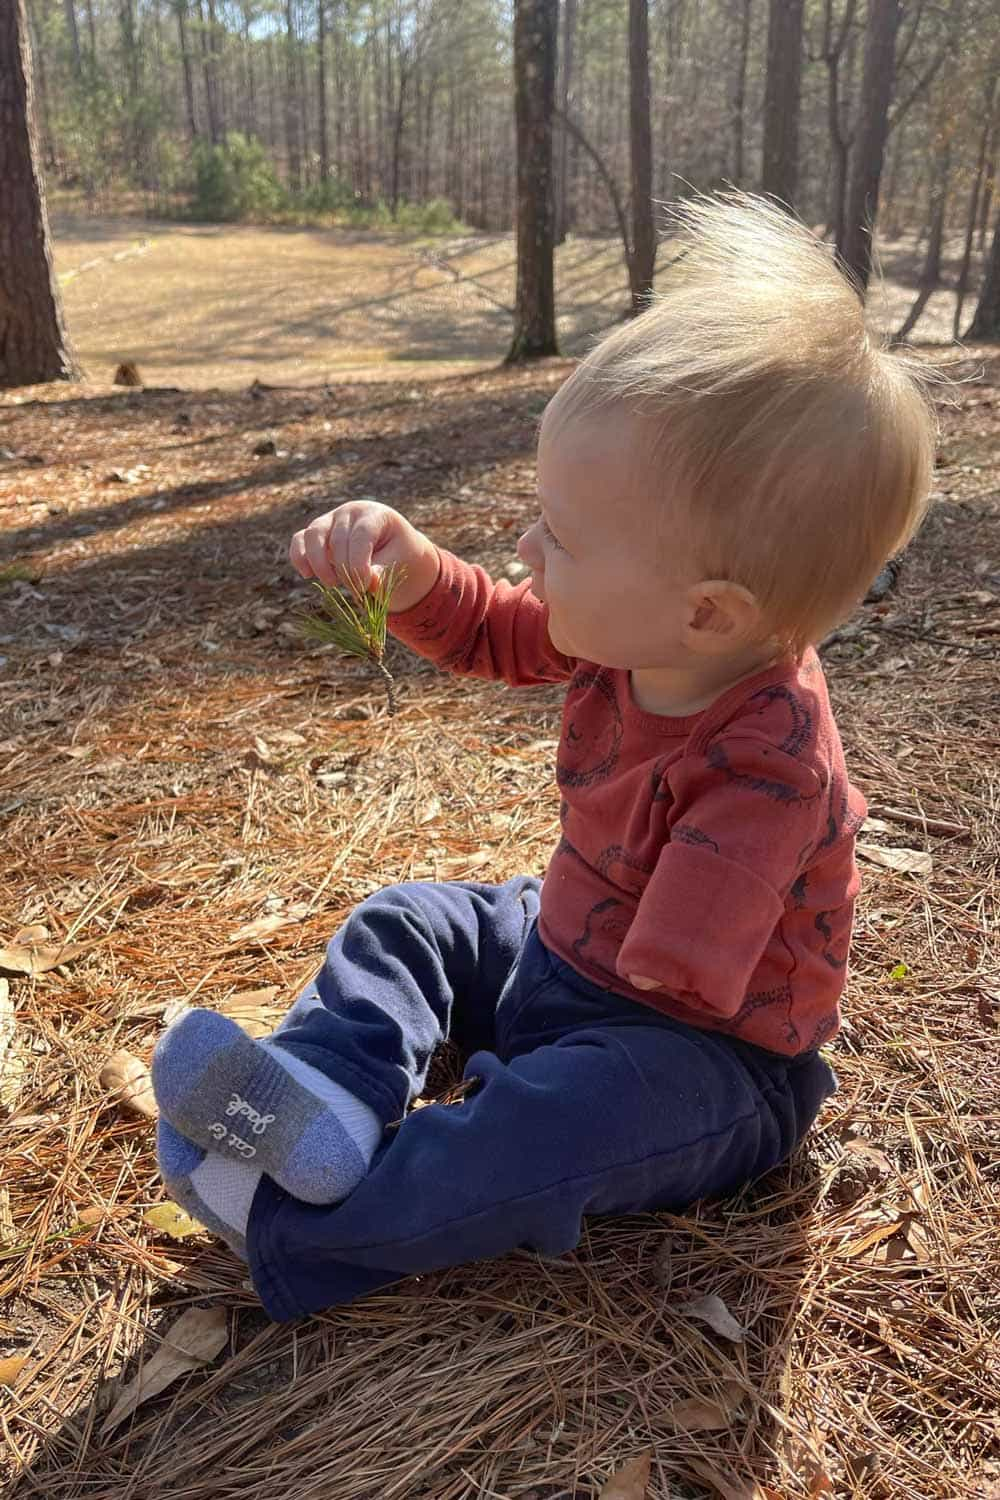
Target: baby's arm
(745,817)
(445,609)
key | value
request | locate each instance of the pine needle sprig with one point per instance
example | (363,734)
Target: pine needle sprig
(355,620)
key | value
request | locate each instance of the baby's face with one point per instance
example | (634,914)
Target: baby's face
(606,555)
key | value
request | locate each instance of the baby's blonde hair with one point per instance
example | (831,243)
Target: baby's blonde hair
(800,447)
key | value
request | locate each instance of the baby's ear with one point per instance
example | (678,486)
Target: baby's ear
(720,616)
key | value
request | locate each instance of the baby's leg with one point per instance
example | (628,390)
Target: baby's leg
(609,1117)
(308,1105)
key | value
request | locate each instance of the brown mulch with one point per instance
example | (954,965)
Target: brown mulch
(176,767)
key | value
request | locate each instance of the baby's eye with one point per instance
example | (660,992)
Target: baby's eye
(552,536)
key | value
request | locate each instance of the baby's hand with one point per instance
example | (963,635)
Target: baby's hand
(361,539)
(640,982)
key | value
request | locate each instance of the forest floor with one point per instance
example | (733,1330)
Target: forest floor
(211,305)
(192,801)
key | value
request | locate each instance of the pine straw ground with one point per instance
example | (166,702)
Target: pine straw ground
(176,766)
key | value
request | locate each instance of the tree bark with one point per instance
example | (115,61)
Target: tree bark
(986,323)
(869,149)
(34,346)
(782,96)
(536,25)
(642,260)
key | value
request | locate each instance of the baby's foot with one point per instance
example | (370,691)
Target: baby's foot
(254,1103)
(216,1192)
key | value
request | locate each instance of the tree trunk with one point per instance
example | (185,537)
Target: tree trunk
(992,162)
(930,276)
(986,323)
(399,119)
(215,52)
(74,38)
(33,343)
(962,284)
(181,7)
(293,113)
(563,211)
(869,147)
(738,106)
(211,103)
(536,24)
(782,94)
(46,134)
(339,93)
(642,260)
(324,124)
(91,31)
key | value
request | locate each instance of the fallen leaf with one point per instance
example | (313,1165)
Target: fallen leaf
(728,1485)
(698,1415)
(458,863)
(167,1218)
(713,1311)
(908,861)
(37,958)
(31,936)
(252,1009)
(127,1081)
(263,927)
(195,1339)
(11,1368)
(873,1237)
(94,1215)
(630,1482)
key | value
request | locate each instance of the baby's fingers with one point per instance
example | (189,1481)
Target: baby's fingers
(318,541)
(297,555)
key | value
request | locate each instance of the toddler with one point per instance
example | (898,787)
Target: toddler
(718,483)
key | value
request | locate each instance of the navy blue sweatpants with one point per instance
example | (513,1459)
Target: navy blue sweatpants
(588,1103)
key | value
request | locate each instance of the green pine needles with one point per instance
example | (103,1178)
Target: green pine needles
(354,619)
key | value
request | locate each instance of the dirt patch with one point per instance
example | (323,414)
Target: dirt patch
(176,766)
(212,305)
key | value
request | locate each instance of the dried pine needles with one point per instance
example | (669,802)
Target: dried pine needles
(193,804)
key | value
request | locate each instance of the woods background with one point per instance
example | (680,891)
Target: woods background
(369,105)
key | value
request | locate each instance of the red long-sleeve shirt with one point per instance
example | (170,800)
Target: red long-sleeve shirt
(712,853)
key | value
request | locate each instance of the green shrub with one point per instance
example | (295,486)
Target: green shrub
(235,180)
(434,217)
(330,197)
